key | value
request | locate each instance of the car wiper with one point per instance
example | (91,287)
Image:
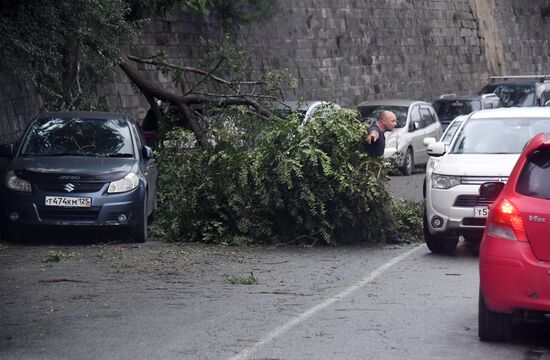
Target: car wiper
(122,155)
(70,154)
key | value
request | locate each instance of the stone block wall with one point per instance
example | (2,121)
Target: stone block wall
(349,51)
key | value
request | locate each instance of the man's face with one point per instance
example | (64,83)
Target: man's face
(390,121)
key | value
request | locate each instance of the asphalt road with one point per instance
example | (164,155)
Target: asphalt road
(176,301)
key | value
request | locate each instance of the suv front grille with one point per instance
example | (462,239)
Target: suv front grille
(78,186)
(478,180)
(471,201)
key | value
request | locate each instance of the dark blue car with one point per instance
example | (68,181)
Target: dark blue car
(79,169)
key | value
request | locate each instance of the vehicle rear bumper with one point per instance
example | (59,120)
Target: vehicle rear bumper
(511,278)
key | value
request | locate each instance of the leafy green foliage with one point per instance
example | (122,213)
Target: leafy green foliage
(408,219)
(57,256)
(241,280)
(65,47)
(284,183)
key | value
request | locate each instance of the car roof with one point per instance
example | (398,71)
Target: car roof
(392,102)
(513,112)
(460,97)
(87,115)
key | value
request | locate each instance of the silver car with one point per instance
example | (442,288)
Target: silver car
(416,120)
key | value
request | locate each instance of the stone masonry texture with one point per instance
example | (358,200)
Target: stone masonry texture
(346,51)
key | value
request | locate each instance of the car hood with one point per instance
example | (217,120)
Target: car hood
(72,168)
(476,164)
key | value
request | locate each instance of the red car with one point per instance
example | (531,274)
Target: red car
(514,258)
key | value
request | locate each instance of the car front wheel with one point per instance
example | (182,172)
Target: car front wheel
(439,244)
(493,326)
(140,229)
(408,163)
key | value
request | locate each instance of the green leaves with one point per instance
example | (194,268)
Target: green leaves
(285,184)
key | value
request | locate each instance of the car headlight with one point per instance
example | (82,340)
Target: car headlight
(16,183)
(392,142)
(444,181)
(127,183)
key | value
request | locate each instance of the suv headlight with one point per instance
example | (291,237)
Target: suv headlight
(127,183)
(392,142)
(444,181)
(16,183)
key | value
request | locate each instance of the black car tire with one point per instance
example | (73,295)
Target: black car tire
(493,326)
(140,229)
(408,163)
(438,244)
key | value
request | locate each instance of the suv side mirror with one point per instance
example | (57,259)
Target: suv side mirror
(491,190)
(437,149)
(427,141)
(7,150)
(147,153)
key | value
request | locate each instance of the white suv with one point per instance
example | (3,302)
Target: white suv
(485,148)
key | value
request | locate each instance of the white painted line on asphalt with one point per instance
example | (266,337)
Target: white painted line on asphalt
(281,330)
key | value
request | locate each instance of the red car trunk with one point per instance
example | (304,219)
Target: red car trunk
(536,219)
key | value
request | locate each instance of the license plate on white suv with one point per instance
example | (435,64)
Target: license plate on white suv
(481,211)
(68,201)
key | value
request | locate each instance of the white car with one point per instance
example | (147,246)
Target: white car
(306,109)
(416,120)
(485,148)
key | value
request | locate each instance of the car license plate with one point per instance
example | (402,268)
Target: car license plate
(481,211)
(67,201)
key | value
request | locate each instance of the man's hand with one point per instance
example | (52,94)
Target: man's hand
(372,137)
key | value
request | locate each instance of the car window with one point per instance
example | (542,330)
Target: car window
(369,114)
(516,94)
(58,136)
(450,131)
(426,117)
(416,117)
(449,109)
(533,179)
(497,136)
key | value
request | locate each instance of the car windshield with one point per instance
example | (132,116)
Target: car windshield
(513,94)
(450,132)
(497,136)
(58,136)
(369,114)
(449,109)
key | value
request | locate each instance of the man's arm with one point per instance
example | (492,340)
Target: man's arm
(372,136)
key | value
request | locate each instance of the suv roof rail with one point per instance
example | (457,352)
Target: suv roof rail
(484,96)
(518,77)
(446,95)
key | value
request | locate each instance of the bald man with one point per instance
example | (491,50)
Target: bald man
(376,142)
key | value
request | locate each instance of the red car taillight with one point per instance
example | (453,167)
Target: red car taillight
(505,222)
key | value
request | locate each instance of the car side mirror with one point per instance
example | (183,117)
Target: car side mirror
(428,141)
(147,153)
(491,190)
(437,149)
(7,150)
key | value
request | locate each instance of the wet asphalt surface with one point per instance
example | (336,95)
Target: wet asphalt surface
(177,301)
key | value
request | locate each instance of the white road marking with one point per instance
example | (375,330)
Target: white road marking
(281,330)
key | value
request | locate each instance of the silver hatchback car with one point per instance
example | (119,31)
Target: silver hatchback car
(416,120)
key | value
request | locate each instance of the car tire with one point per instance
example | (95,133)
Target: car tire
(140,229)
(493,326)
(408,163)
(438,244)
